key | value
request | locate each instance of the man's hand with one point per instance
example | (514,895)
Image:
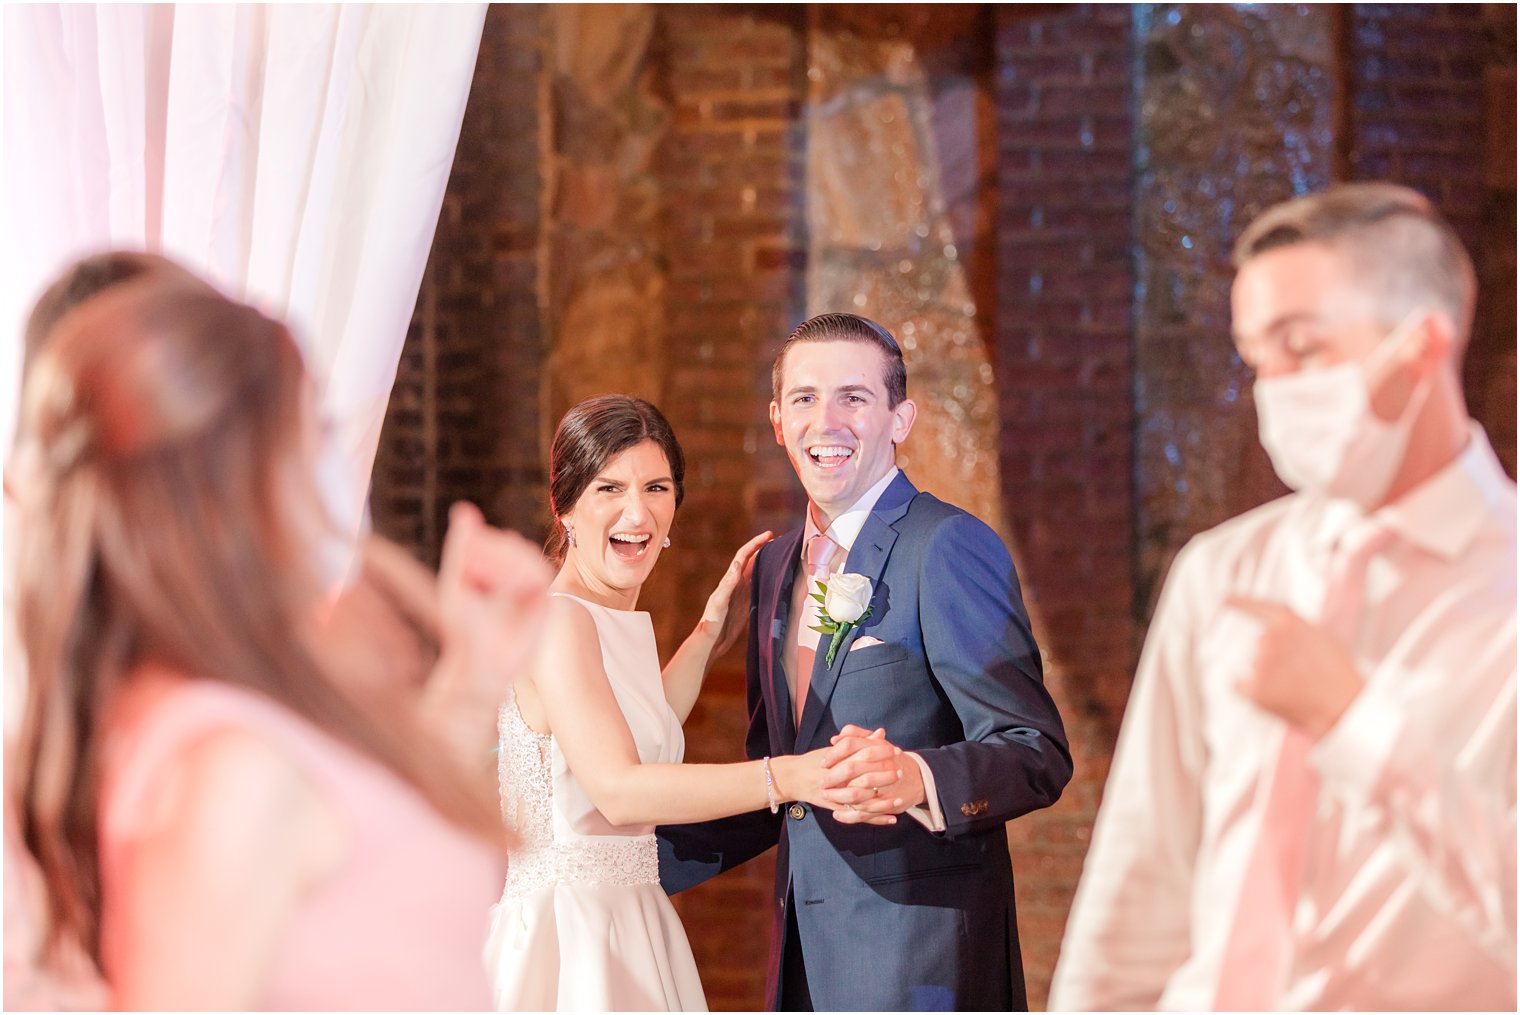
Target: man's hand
(1300,672)
(859,803)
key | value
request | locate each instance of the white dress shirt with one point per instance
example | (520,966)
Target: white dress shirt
(844,531)
(1408,896)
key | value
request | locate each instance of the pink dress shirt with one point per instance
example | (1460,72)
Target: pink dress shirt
(1408,889)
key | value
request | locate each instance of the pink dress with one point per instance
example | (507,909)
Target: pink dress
(400,926)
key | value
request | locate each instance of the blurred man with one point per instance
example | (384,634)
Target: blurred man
(1312,803)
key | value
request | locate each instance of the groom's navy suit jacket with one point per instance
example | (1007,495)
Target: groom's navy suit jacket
(896,917)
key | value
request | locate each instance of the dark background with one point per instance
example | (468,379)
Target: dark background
(648,198)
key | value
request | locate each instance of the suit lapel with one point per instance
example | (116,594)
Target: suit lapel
(777,605)
(867,557)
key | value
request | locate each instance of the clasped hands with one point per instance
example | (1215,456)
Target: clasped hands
(866,780)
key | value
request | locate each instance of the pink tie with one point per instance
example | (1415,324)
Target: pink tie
(1258,954)
(820,554)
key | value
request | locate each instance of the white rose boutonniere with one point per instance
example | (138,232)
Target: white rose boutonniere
(844,601)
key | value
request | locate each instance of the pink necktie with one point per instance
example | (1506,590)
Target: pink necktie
(1257,956)
(820,554)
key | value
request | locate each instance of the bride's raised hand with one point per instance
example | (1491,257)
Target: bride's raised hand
(727,609)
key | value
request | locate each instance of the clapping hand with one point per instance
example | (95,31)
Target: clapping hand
(492,595)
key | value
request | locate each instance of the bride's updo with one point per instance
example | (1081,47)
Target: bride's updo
(589,436)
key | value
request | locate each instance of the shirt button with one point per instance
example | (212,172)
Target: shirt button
(796,812)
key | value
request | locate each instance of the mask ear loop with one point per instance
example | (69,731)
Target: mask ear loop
(1384,361)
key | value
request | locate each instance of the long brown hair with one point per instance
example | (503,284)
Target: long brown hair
(164,524)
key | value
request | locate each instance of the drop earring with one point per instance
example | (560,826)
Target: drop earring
(569,534)
(666,544)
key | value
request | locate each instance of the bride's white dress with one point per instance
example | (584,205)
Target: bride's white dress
(583,923)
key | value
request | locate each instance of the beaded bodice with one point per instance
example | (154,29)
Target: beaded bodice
(562,838)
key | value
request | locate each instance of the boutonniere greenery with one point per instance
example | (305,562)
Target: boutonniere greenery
(843,602)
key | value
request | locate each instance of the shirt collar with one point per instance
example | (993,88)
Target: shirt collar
(846,528)
(1442,515)
(1445,513)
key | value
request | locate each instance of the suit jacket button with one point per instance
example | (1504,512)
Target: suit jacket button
(796,812)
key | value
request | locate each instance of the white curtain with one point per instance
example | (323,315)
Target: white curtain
(296,155)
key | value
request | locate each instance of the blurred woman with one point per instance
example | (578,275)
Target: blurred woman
(63,979)
(220,821)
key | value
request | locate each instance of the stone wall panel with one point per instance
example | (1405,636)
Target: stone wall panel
(883,245)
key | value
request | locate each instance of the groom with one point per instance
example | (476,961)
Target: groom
(916,914)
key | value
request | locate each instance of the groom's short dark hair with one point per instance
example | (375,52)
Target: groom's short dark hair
(848,328)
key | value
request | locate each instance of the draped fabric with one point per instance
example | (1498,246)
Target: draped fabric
(296,155)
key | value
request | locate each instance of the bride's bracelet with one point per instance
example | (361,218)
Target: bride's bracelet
(770,786)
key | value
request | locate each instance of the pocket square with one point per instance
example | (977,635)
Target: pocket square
(865,642)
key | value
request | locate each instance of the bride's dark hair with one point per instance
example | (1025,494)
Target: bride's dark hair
(592,434)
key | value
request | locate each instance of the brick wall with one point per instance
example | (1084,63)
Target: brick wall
(463,421)
(732,225)
(1414,81)
(1064,378)
(731,176)
(1491,368)
(1431,104)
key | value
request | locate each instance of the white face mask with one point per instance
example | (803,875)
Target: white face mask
(1320,431)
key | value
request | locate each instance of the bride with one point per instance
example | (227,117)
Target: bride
(591,739)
